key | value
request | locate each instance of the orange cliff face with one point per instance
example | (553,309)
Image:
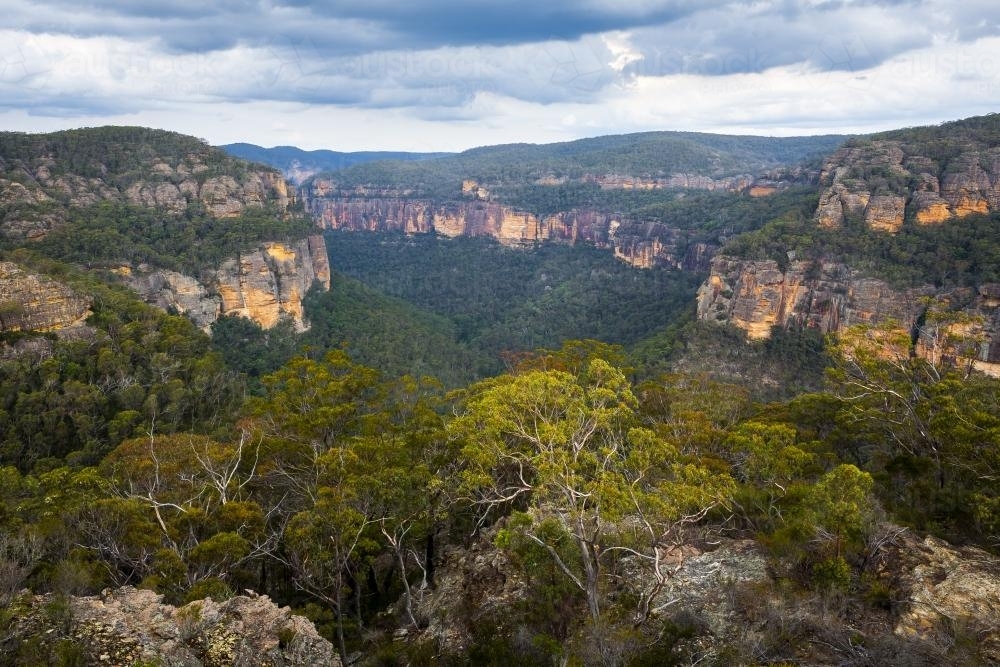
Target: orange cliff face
(270,282)
(31,302)
(264,285)
(758,295)
(882,180)
(642,245)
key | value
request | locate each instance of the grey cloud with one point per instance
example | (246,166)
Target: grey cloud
(435,57)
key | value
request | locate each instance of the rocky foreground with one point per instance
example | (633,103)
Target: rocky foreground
(129,627)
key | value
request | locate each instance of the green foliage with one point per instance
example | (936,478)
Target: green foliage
(118,155)
(781,367)
(566,450)
(499,299)
(389,334)
(140,369)
(929,431)
(248,348)
(112,235)
(649,154)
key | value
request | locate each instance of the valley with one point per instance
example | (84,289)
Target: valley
(657,398)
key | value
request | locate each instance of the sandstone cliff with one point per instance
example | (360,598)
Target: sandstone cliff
(128,627)
(641,244)
(756,295)
(264,285)
(42,175)
(885,181)
(30,302)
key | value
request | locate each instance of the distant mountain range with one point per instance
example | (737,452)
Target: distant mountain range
(299,165)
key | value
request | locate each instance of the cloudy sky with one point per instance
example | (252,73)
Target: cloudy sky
(430,75)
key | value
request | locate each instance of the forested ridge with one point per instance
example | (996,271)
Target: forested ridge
(963,251)
(113,196)
(653,154)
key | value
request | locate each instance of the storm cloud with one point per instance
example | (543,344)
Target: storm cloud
(578,64)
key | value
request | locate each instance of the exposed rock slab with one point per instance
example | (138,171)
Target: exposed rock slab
(264,285)
(947,593)
(756,295)
(880,180)
(127,626)
(641,244)
(30,302)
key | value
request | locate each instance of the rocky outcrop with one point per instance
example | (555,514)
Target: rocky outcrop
(946,594)
(680,181)
(164,171)
(264,285)
(127,627)
(884,181)
(31,302)
(756,295)
(642,244)
(474,586)
(269,283)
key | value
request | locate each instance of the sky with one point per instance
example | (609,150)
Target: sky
(444,75)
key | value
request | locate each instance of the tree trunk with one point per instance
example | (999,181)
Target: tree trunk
(406,584)
(590,569)
(338,614)
(429,556)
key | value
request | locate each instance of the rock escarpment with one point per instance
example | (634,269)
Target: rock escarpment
(885,181)
(41,176)
(641,244)
(46,179)
(458,198)
(127,627)
(756,295)
(264,285)
(31,302)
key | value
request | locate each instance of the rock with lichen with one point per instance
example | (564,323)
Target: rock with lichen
(129,626)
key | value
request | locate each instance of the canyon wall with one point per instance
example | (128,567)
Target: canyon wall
(30,302)
(264,285)
(885,182)
(756,295)
(889,183)
(640,244)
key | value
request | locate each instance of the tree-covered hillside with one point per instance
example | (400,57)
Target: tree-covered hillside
(113,154)
(651,154)
(294,161)
(500,299)
(132,195)
(946,231)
